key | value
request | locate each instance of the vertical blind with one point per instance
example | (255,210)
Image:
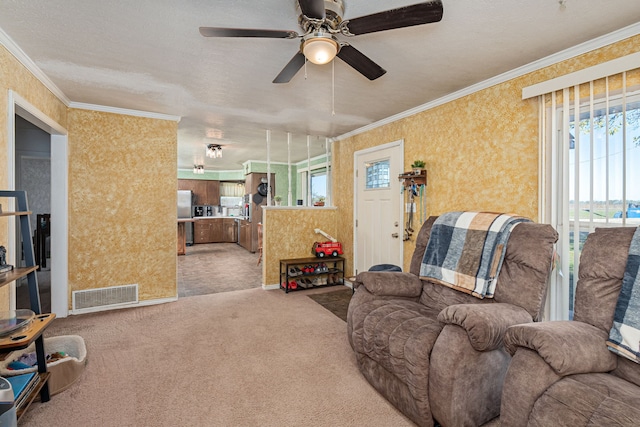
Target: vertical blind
(590,167)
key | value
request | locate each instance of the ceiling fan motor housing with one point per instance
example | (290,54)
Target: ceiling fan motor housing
(334,11)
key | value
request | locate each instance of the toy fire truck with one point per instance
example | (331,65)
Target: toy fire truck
(323,249)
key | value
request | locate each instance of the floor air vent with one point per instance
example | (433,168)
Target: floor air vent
(104,298)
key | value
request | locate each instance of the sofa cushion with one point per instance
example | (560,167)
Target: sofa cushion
(627,370)
(588,400)
(525,271)
(399,335)
(438,297)
(602,264)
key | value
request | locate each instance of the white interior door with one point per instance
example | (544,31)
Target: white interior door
(378,206)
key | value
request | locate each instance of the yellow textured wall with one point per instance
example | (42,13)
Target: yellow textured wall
(481,151)
(122,203)
(13,76)
(289,233)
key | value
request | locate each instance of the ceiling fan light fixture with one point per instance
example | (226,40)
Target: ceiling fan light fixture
(320,50)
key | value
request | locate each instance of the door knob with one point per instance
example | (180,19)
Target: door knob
(394,235)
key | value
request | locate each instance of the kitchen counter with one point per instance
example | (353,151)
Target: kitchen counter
(196,218)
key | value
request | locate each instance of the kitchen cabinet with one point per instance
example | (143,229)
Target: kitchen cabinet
(215,230)
(245,235)
(212,193)
(206,192)
(200,192)
(185,184)
(229,230)
(202,231)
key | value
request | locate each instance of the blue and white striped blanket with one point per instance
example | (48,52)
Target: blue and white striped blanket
(624,337)
(466,250)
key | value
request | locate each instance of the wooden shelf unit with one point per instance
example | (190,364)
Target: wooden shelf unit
(409,178)
(33,332)
(22,338)
(22,409)
(15,274)
(15,213)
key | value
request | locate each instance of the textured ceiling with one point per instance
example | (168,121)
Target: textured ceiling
(148,55)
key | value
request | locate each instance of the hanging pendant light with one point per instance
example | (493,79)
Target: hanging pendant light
(214,151)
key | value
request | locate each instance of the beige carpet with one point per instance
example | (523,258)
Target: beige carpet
(242,358)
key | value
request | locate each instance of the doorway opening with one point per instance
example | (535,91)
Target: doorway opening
(56,244)
(33,174)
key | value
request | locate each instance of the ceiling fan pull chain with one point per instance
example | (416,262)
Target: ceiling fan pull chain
(305,68)
(333,88)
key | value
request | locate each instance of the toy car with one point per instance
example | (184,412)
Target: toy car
(323,249)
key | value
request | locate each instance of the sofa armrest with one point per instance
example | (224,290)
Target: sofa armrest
(568,347)
(387,283)
(485,324)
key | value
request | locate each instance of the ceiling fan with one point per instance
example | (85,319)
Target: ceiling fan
(322,20)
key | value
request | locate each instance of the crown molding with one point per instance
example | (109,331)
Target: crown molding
(318,157)
(31,66)
(563,55)
(124,111)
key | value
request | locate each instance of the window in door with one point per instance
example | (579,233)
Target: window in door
(377,175)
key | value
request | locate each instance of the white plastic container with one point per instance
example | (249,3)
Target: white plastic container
(8,416)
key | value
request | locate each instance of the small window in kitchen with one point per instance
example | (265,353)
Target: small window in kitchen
(378,175)
(318,186)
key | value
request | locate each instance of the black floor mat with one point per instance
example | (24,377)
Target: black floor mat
(336,302)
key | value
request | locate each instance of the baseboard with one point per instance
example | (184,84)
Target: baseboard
(270,287)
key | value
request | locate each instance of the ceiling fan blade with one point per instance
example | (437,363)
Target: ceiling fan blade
(418,14)
(312,8)
(360,62)
(242,32)
(290,69)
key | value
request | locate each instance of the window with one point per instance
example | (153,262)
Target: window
(318,187)
(314,187)
(593,144)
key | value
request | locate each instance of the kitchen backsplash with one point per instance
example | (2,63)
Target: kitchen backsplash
(230,201)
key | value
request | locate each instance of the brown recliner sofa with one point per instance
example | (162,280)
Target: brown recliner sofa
(562,373)
(437,353)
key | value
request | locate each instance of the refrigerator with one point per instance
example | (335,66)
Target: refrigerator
(185,199)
